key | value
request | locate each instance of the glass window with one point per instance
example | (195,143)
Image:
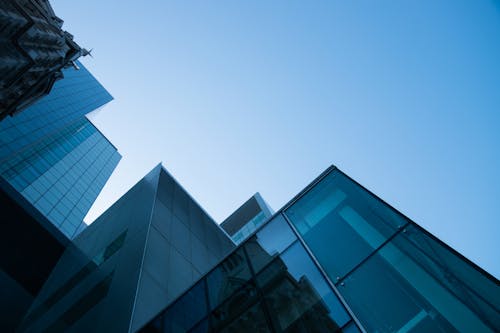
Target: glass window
(187,311)
(230,275)
(269,242)
(252,320)
(466,282)
(342,223)
(298,295)
(397,290)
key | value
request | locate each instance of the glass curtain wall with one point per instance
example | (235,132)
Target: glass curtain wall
(268,284)
(394,275)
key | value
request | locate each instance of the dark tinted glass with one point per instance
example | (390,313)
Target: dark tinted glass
(342,223)
(298,295)
(186,311)
(229,276)
(250,321)
(269,242)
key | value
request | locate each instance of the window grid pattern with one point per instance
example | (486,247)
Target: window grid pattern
(77,94)
(394,276)
(268,284)
(62,175)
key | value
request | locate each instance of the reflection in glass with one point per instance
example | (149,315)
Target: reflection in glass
(251,321)
(187,310)
(298,296)
(465,281)
(228,277)
(401,289)
(342,223)
(269,242)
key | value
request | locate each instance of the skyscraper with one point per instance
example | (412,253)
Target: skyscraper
(334,259)
(138,256)
(54,156)
(33,51)
(338,259)
(53,163)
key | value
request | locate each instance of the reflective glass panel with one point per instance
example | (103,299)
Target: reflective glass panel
(187,310)
(396,290)
(250,321)
(269,242)
(298,295)
(342,223)
(467,283)
(229,276)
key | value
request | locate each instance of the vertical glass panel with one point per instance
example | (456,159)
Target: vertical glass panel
(250,321)
(230,275)
(342,223)
(187,311)
(298,295)
(467,283)
(393,291)
(269,242)
(236,305)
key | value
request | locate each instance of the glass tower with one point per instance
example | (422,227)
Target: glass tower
(334,259)
(54,156)
(338,259)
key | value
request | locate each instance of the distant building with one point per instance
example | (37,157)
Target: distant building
(54,156)
(33,51)
(247,218)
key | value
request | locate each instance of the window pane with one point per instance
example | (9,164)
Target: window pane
(250,321)
(342,223)
(187,311)
(229,276)
(269,242)
(393,291)
(298,295)
(467,283)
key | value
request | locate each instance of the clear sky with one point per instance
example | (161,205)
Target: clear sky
(237,97)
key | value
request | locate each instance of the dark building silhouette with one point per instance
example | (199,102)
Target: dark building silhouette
(33,51)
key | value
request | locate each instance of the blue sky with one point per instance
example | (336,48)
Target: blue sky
(237,97)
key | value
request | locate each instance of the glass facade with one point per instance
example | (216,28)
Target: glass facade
(70,99)
(62,174)
(393,275)
(268,284)
(53,155)
(338,259)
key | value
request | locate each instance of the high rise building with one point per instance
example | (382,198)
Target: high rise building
(33,51)
(338,259)
(334,259)
(138,256)
(247,218)
(53,163)
(54,156)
